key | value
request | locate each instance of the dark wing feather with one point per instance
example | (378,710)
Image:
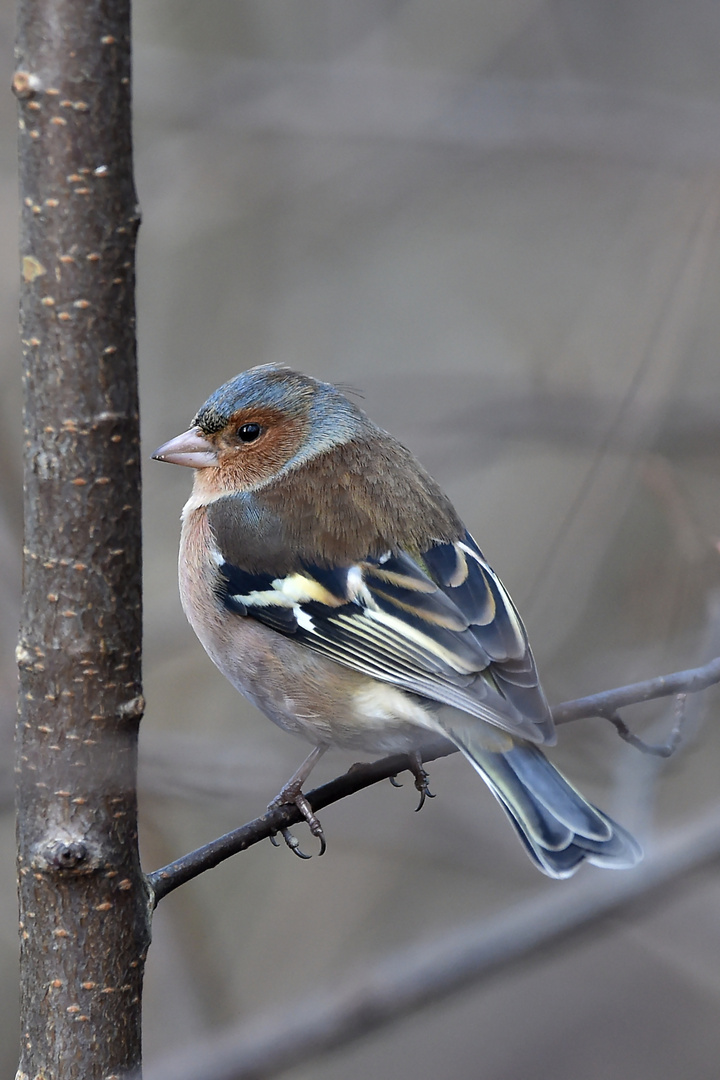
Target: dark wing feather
(441,626)
(465,576)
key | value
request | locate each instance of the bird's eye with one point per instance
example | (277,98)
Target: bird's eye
(249,432)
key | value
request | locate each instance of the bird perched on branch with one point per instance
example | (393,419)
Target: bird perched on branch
(331,581)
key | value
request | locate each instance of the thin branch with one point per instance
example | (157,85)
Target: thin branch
(690,681)
(421,975)
(363,775)
(358,777)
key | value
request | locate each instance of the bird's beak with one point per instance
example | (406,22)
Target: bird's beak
(191,448)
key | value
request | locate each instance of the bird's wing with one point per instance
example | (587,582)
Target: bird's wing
(440,625)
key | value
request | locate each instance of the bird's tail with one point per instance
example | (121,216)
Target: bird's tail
(558,827)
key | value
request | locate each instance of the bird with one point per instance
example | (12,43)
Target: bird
(331,580)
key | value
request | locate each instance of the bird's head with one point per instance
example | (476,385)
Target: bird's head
(259,424)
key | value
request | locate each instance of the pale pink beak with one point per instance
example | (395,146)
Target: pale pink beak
(191,448)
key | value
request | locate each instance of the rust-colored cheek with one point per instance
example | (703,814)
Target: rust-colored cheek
(246,465)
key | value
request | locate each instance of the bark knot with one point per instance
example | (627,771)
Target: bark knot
(66,855)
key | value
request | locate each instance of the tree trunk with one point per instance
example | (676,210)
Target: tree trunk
(84,914)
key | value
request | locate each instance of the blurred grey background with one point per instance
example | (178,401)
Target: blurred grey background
(500,222)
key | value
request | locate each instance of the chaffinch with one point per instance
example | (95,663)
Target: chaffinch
(332,582)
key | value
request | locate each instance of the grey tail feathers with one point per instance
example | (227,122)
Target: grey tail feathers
(558,827)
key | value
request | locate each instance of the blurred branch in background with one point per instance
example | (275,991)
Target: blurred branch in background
(367,100)
(422,975)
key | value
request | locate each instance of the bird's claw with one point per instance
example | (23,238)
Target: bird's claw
(291,797)
(421,782)
(425,793)
(294,844)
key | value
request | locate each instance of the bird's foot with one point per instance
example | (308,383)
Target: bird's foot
(291,795)
(421,780)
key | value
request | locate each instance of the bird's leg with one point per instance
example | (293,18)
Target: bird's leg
(291,794)
(421,779)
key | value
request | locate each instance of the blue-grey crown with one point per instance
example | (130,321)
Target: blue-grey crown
(333,418)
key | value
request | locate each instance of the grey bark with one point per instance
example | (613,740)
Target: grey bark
(84,919)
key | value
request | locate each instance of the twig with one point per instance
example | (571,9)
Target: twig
(663,750)
(363,775)
(609,701)
(422,975)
